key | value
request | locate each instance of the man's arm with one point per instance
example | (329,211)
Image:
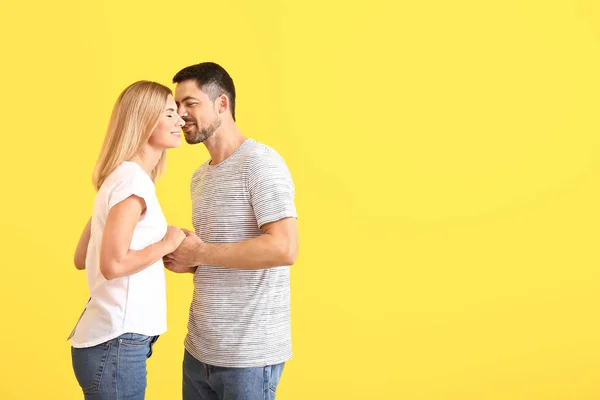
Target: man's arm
(277,246)
(82,245)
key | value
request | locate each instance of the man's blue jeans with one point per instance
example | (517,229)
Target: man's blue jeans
(115,369)
(208,382)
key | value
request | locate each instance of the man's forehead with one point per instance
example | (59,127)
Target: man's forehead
(187,89)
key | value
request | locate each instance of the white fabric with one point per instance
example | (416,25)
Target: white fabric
(129,304)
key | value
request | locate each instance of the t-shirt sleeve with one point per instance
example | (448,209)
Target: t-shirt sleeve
(271,188)
(128,184)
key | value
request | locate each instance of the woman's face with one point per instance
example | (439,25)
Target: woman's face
(167,133)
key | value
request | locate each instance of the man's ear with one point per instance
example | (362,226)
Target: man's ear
(222,103)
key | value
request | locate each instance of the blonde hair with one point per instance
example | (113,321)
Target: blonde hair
(134,117)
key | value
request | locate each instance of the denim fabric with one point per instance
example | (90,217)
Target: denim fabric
(114,370)
(208,382)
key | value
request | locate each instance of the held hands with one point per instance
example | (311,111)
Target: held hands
(185,257)
(173,238)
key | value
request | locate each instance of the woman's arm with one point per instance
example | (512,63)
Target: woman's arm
(82,245)
(116,258)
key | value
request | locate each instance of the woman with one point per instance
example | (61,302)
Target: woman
(122,247)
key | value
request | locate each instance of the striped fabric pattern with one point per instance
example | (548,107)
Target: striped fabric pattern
(241,318)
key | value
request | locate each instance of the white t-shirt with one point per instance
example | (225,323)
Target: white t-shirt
(131,304)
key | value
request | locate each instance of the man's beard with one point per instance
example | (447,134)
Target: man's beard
(203,133)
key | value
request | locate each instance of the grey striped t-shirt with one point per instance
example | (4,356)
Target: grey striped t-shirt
(241,318)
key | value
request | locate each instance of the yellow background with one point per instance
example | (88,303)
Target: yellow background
(446,157)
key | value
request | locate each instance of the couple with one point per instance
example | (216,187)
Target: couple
(244,242)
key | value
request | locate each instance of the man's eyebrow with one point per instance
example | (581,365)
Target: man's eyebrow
(189,98)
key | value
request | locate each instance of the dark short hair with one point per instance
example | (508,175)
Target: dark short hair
(212,79)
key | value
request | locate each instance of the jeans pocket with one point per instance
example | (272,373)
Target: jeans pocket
(134,339)
(273,373)
(89,364)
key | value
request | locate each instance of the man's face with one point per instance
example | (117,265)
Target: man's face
(198,112)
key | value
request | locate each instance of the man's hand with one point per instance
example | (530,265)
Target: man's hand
(178,269)
(186,255)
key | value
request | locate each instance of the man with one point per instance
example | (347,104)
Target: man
(246,238)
